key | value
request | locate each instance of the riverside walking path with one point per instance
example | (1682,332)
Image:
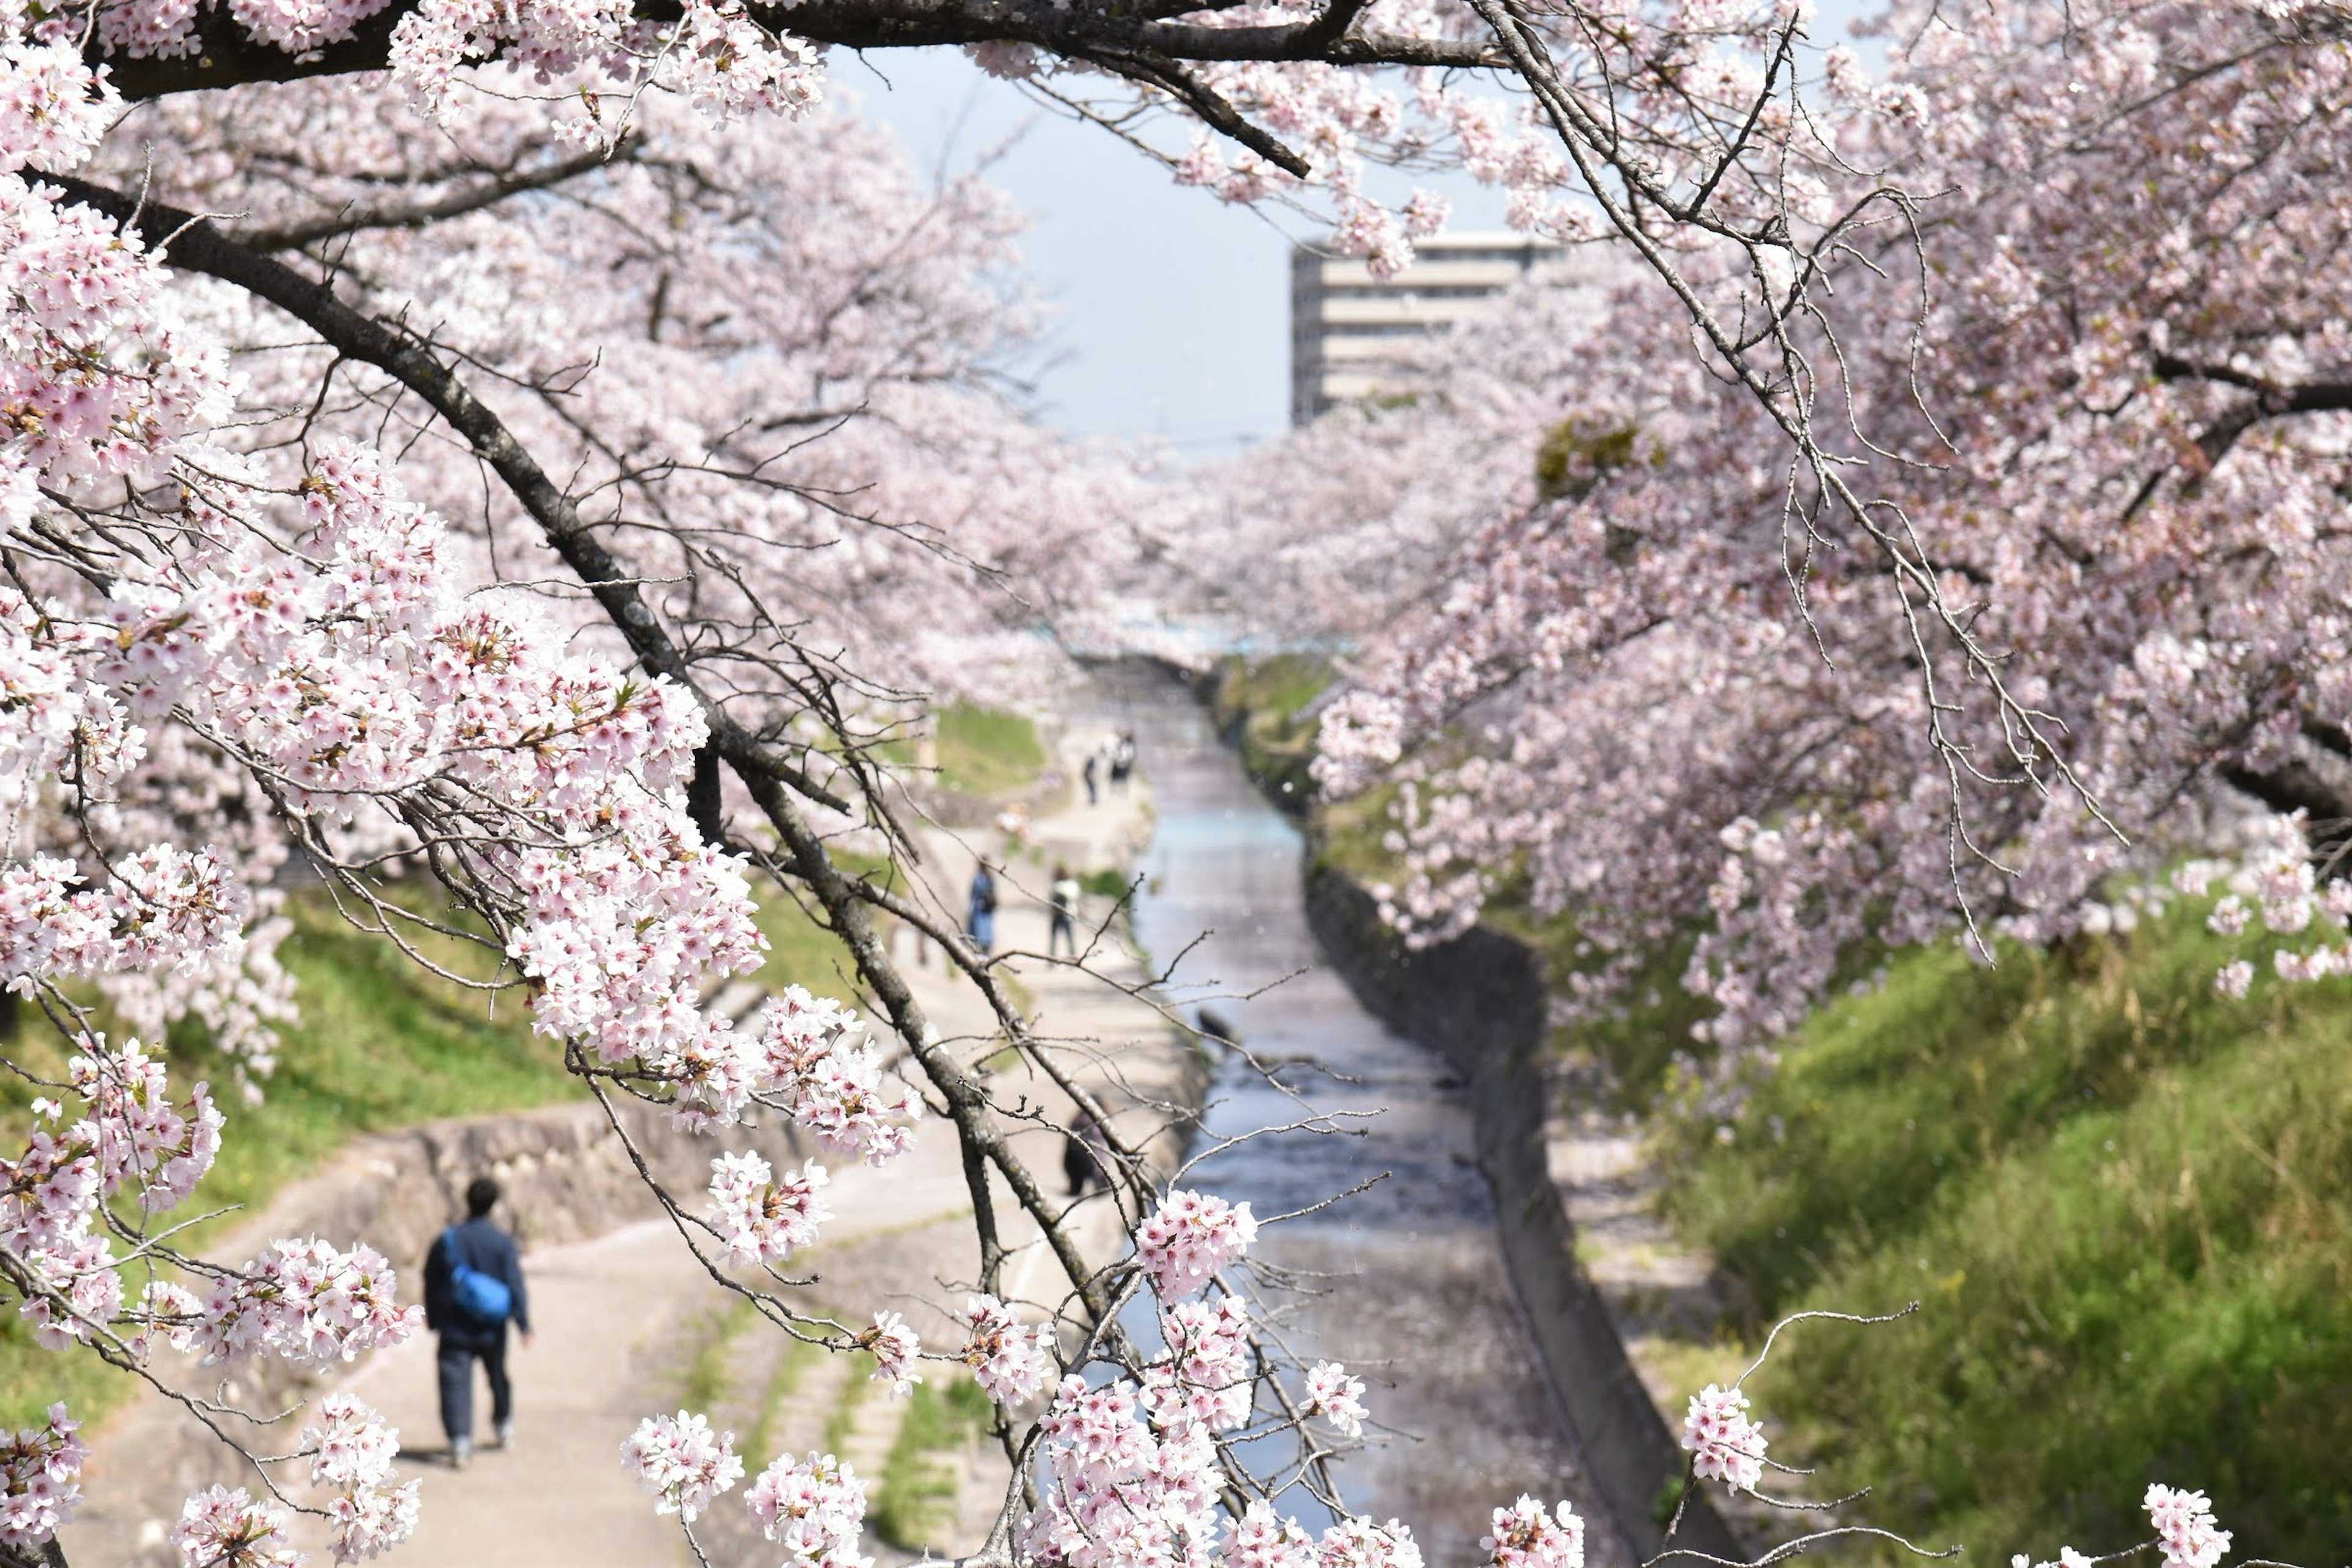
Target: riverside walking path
(620,1316)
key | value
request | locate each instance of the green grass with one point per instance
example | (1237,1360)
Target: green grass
(2125,1205)
(915,1497)
(986,751)
(709,1377)
(1261,702)
(791,1368)
(843,1420)
(1107,884)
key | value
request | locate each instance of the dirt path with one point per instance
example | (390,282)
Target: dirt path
(619,1315)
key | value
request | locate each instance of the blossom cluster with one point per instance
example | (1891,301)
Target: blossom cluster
(1725,1445)
(815,1508)
(2185,1529)
(819,1063)
(308,1302)
(40,1481)
(894,1347)
(1205,1377)
(351,1453)
(1125,1490)
(684,1464)
(1526,1536)
(133,1136)
(225,1527)
(760,1217)
(1337,1397)
(1188,1239)
(1011,1363)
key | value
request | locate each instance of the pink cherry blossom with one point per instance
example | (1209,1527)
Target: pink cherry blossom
(1725,1444)
(760,1217)
(894,1347)
(2185,1529)
(1013,1363)
(815,1508)
(1188,1239)
(223,1527)
(40,1481)
(1526,1536)
(1337,1397)
(682,1462)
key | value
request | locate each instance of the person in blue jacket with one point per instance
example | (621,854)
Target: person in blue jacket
(465,1337)
(979,910)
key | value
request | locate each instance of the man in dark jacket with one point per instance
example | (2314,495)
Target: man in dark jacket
(483,1246)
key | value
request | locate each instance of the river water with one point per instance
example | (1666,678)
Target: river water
(1403,1281)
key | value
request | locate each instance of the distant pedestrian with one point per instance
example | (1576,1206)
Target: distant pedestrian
(1083,1153)
(1093,762)
(1061,897)
(980,915)
(473,1286)
(1122,760)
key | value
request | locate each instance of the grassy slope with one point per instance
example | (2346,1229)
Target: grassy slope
(1262,701)
(986,751)
(2126,1204)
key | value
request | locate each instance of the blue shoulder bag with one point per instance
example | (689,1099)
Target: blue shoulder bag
(481,1297)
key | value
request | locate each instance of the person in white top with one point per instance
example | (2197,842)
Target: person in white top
(1061,898)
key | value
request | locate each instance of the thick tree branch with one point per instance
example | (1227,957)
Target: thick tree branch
(2270,400)
(226,55)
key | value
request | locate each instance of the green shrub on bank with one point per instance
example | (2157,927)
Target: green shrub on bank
(2125,1203)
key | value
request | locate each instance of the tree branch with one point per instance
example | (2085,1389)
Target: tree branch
(417,215)
(2270,400)
(228,55)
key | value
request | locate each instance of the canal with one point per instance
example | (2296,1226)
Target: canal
(1405,1280)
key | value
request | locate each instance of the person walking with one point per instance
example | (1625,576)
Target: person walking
(1083,1151)
(979,913)
(473,1287)
(1093,762)
(1122,760)
(1061,898)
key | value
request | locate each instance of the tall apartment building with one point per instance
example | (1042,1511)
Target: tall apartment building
(1347,326)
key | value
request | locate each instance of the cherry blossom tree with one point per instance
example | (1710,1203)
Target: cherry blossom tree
(242,464)
(2103,393)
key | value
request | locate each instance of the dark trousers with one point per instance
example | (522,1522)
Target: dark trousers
(1060,932)
(456,1365)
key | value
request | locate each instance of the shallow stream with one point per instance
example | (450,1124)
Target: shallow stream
(1407,1284)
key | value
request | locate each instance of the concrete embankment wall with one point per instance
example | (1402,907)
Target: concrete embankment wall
(1479,1002)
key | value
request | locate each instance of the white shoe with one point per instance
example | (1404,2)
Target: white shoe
(506,1435)
(461,1453)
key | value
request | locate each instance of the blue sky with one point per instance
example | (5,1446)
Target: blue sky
(1171,310)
